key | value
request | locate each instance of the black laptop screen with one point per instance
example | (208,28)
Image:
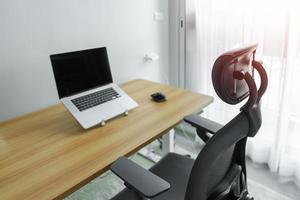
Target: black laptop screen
(78,71)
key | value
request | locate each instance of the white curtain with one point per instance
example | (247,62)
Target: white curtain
(215,26)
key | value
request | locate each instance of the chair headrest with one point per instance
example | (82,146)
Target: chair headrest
(232,76)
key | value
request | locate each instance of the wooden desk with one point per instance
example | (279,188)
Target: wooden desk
(47,155)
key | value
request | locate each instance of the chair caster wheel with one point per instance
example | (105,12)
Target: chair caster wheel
(249,197)
(245,196)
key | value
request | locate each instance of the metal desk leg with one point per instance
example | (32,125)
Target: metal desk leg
(167,145)
(168,142)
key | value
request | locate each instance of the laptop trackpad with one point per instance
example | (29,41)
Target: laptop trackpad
(109,110)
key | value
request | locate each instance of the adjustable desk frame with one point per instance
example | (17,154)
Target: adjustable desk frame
(47,155)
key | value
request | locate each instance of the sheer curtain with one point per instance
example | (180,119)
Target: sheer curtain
(215,26)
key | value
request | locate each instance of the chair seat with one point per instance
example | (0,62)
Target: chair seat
(173,168)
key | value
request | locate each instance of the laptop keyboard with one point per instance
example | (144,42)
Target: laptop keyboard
(94,99)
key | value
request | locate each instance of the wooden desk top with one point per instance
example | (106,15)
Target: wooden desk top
(47,155)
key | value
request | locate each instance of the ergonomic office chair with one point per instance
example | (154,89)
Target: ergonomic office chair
(219,171)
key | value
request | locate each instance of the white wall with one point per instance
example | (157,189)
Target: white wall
(31,30)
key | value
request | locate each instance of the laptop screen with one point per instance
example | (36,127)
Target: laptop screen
(79,71)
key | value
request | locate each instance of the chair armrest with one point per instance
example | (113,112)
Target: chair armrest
(203,124)
(139,179)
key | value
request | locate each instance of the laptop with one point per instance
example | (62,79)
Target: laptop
(85,87)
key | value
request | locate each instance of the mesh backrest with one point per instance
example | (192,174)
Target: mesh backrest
(219,169)
(214,160)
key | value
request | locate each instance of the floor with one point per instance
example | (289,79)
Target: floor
(271,182)
(263,185)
